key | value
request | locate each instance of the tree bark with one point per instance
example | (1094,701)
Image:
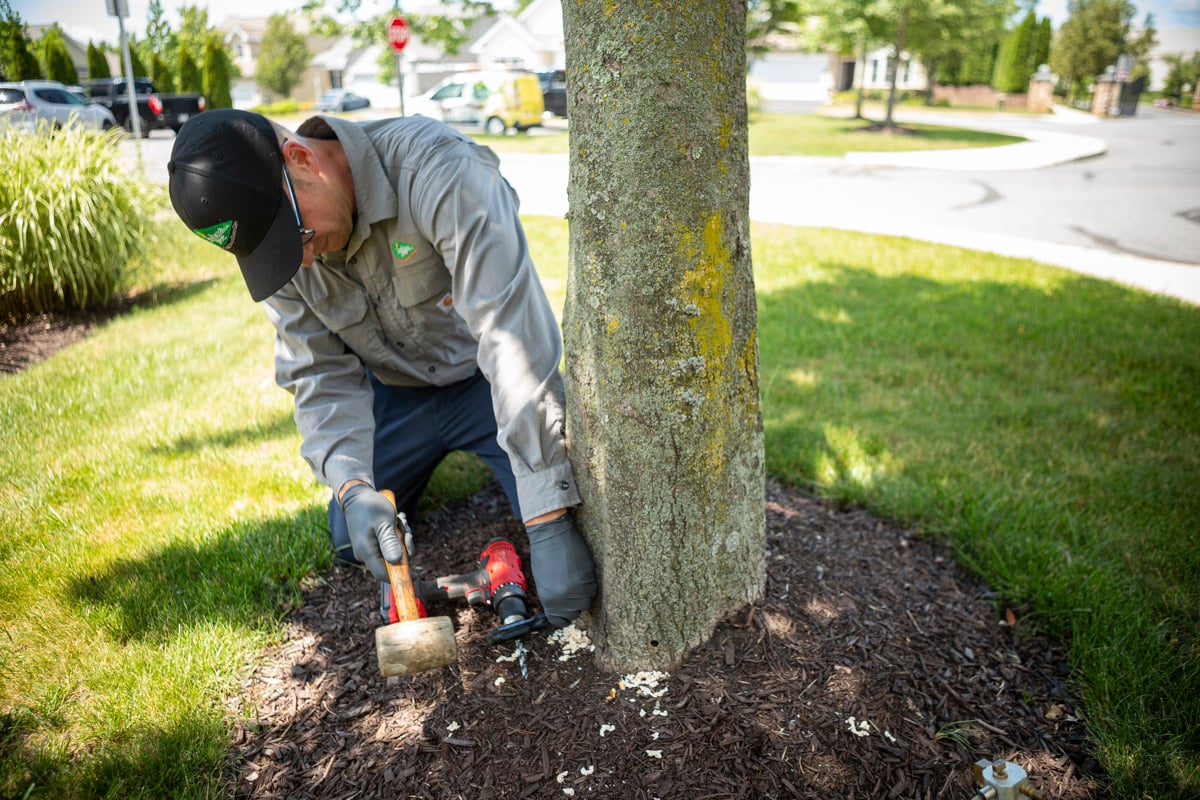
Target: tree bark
(664,421)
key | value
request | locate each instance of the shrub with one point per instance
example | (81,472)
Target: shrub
(74,223)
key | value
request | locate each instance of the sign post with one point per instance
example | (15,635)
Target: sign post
(120,10)
(398,33)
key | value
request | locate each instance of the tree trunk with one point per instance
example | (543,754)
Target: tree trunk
(894,70)
(663,411)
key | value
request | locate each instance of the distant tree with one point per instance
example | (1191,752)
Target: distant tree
(850,27)
(959,34)
(56,61)
(159,37)
(1013,66)
(217,72)
(17,61)
(97,64)
(283,56)
(135,60)
(187,74)
(1095,33)
(160,72)
(764,17)
(1039,52)
(1183,75)
(936,31)
(193,32)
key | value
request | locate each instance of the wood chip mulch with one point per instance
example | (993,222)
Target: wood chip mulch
(875,667)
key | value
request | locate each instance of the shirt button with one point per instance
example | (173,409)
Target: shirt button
(564,486)
(432,368)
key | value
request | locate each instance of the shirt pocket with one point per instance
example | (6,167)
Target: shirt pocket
(341,312)
(415,284)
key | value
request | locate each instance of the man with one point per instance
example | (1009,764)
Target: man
(409,319)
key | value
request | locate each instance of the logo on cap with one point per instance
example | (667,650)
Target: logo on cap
(220,234)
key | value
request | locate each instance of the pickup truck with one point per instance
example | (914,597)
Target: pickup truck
(155,110)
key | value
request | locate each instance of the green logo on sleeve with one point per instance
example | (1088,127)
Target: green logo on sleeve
(220,234)
(402,250)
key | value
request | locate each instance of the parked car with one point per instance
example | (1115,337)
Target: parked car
(341,100)
(27,103)
(493,101)
(155,109)
(554,91)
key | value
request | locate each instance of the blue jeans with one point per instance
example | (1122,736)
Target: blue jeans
(415,428)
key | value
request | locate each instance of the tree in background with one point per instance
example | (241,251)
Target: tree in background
(97,64)
(1040,51)
(935,31)
(850,27)
(660,324)
(283,56)
(1094,34)
(56,61)
(1012,67)
(160,73)
(954,38)
(135,60)
(764,17)
(217,74)
(17,61)
(1183,77)
(187,74)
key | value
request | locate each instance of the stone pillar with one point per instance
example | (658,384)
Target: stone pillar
(1108,93)
(1041,90)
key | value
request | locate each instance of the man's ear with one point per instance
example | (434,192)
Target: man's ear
(298,156)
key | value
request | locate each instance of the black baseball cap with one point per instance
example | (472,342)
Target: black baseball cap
(226,183)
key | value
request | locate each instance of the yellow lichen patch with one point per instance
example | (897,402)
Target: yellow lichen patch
(703,288)
(613,323)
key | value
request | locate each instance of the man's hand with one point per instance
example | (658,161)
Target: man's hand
(371,523)
(562,569)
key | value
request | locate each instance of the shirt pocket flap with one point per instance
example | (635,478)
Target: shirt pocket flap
(420,282)
(342,311)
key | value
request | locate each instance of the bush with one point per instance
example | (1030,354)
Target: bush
(281,107)
(74,223)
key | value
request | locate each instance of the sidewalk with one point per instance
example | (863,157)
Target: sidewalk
(1043,148)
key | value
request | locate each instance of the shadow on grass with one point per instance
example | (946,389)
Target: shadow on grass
(278,427)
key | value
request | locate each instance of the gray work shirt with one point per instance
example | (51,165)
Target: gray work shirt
(435,282)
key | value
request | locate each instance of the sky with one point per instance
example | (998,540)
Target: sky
(88,20)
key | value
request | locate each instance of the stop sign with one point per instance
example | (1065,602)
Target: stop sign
(397,31)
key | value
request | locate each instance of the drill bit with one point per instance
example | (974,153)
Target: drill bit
(521,659)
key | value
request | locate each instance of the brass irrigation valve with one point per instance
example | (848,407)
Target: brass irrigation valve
(1002,780)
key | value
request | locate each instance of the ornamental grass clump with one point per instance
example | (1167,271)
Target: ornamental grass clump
(75,225)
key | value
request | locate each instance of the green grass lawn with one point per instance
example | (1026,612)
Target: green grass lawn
(778,135)
(160,521)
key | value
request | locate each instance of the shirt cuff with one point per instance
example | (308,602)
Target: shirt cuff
(339,469)
(547,490)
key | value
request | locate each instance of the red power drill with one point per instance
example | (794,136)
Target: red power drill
(497,581)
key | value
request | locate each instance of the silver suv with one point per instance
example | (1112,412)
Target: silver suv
(25,104)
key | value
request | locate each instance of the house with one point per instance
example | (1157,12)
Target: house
(532,39)
(242,38)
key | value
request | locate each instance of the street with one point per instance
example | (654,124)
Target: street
(1118,215)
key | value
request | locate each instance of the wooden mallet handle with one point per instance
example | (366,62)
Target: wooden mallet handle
(403,591)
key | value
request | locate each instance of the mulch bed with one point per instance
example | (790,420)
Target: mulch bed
(874,668)
(30,339)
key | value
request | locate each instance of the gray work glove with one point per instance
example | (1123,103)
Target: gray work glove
(371,523)
(562,569)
